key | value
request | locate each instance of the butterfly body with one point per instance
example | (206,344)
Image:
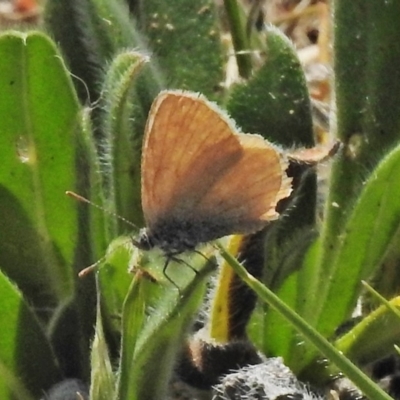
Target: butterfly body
(177,236)
(170,238)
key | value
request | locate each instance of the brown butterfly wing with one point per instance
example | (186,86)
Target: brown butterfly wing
(187,146)
(247,195)
(196,169)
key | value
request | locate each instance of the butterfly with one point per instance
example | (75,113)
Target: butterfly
(202,178)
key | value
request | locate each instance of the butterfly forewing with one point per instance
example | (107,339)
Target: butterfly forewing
(187,146)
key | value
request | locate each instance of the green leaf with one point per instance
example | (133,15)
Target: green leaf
(133,319)
(271,330)
(150,353)
(367,96)
(23,347)
(115,280)
(369,233)
(365,68)
(114,22)
(83,41)
(41,241)
(367,236)
(185,36)
(90,185)
(96,32)
(39,112)
(102,385)
(122,150)
(274,102)
(372,338)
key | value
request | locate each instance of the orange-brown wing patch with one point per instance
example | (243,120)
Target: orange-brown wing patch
(197,169)
(247,195)
(187,146)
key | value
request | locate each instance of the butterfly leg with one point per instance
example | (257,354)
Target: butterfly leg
(173,257)
(167,261)
(180,261)
(205,257)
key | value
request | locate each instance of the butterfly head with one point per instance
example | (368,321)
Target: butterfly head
(144,240)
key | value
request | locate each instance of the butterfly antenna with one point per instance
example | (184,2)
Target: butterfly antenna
(86,271)
(85,200)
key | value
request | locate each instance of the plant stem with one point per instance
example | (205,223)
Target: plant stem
(239,39)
